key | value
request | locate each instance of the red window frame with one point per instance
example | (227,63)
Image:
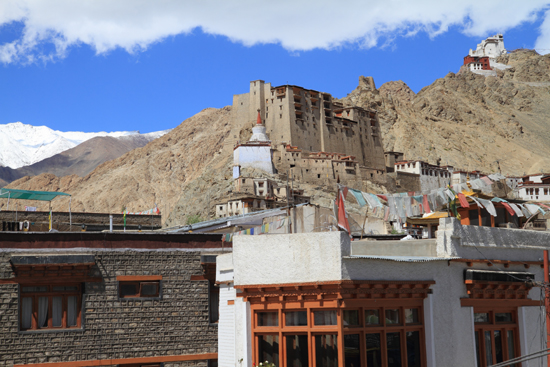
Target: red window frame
(491,326)
(340,330)
(50,294)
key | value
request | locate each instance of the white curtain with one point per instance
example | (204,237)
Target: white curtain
(71,311)
(325,318)
(42,312)
(330,318)
(26,313)
(57,311)
(297,318)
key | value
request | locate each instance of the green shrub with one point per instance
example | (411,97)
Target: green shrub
(195,218)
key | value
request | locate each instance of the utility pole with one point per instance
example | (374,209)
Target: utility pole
(208,207)
(293,206)
(547,303)
(288,200)
(505,184)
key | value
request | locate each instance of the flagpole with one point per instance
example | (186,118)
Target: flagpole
(70,217)
(50,215)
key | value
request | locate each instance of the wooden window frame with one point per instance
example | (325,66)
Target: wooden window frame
(139,281)
(339,329)
(492,325)
(50,294)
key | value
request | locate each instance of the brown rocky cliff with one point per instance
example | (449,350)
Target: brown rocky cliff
(468,120)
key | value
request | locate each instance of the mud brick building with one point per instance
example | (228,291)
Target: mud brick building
(310,120)
(102,299)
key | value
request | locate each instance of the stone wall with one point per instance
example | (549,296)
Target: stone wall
(325,168)
(39,221)
(112,328)
(403,182)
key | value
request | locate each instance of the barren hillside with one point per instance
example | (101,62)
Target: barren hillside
(157,173)
(468,120)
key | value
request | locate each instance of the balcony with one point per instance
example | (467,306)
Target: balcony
(280,92)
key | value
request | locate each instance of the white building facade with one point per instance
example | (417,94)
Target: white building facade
(534,188)
(431,176)
(317,299)
(491,47)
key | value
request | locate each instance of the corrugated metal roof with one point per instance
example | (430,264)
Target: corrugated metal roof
(254,218)
(406,259)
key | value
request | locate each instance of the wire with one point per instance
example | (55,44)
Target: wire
(544,289)
(524,358)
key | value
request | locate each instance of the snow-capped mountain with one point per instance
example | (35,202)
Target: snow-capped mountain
(22,144)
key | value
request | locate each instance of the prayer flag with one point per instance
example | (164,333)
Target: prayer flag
(342,215)
(508,208)
(463,201)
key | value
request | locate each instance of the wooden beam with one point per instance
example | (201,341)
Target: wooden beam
(505,262)
(52,280)
(501,302)
(198,277)
(123,361)
(136,278)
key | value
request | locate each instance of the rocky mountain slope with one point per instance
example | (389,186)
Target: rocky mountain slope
(467,120)
(470,121)
(80,160)
(157,173)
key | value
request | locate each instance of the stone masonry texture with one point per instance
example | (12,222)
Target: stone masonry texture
(113,328)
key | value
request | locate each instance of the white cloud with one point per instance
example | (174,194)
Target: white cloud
(296,25)
(543,42)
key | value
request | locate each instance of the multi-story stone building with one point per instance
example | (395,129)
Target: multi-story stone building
(310,120)
(324,168)
(102,299)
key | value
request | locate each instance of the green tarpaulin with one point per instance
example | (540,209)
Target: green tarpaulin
(30,195)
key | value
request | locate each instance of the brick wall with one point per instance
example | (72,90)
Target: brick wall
(113,328)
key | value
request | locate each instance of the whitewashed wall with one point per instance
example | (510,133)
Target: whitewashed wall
(289,258)
(300,258)
(258,157)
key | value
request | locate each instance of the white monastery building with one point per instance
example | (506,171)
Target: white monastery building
(483,60)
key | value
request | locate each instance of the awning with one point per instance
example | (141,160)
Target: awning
(54,268)
(30,195)
(432,218)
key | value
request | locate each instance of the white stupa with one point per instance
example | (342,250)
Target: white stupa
(258,131)
(256,153)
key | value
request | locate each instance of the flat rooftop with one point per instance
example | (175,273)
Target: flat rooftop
(110,240)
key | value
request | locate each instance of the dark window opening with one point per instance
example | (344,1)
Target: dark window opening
(139,289)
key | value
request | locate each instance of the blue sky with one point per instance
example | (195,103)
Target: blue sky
(71,79)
